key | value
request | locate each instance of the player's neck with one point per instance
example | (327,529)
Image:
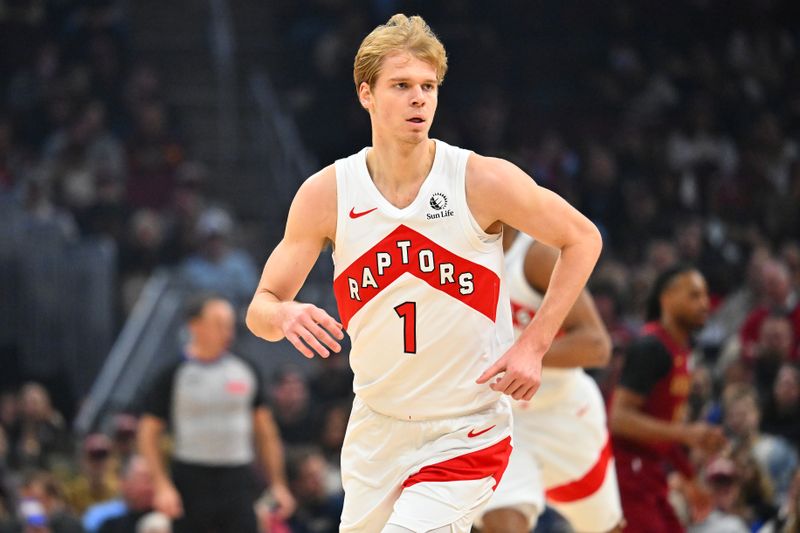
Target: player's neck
(675,330)
(395,165)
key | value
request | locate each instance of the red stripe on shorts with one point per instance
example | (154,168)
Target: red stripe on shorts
(585,486)
(488,462)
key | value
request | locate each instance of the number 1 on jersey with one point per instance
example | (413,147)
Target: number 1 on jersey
(408,312)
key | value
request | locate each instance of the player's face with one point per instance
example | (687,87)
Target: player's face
(687,300)
(403,101)
(213,330)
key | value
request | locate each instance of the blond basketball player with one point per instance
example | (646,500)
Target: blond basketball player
(416,228)
(562,454)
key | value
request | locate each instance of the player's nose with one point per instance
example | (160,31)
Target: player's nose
(417,96)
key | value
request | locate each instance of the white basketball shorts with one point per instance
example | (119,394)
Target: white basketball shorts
(421,475)
(562,454)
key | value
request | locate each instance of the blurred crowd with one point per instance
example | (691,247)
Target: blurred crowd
(675,128)
(90,147)
(51,482)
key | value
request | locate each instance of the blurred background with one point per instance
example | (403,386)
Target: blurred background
(150,149)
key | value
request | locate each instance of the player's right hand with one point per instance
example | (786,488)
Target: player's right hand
(310,329)
(167,500)
(517,373)
(705,436)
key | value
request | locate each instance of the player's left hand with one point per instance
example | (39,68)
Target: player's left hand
(522,373)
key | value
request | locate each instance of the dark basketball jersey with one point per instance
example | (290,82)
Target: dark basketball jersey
(657,367)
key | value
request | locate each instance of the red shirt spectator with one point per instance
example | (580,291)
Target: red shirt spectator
(779,298)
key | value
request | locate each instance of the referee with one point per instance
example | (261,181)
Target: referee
(214,405)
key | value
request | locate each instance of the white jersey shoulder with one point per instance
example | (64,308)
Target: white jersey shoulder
(420,291)
(525,301)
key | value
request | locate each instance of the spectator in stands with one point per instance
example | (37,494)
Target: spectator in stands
(124,437)
(318,511)
(334,426)
(773,349)
(788,520)
(42,488)
(143,86)
(215,405)
(9,410)
(188,203)
(790,250)
(727,319)
(42,216)
(702,405)
(153,157)
(217,265)
(137,493)
(140,254)
(782,405)
(757,489)
(76,154)
(39,432)
(332,380)
(106,215)
(98,480)
(741,419)
(723,480)
(295,413)
(779,297)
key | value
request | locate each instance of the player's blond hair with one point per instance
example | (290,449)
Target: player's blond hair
(400,33)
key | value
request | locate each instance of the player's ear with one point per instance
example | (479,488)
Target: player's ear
(365,95)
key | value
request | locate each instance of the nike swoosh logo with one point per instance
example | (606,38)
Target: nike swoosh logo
(353,213)
(472,433)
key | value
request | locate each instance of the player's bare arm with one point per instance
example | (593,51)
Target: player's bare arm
(499,192)
(627,420)
(273,314)
(585,342)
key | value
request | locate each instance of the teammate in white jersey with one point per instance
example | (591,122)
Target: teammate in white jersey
(561,451)
(416,226)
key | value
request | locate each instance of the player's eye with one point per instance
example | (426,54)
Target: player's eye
(428,86)
(401,85)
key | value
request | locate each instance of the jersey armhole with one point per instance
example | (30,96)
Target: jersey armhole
(479,239)
(341,174)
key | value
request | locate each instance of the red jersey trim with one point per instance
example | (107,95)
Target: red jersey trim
(407,251)
(488,462)
(585,486)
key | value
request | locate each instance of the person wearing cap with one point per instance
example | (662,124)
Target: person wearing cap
(98,480)
(218,265)
(215,406)
(725,484)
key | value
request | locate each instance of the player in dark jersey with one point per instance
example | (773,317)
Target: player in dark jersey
(647,419)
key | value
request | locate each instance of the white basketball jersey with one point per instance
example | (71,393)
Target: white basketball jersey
(525,301)
(420,292)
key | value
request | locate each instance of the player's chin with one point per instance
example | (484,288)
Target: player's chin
(418,130)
